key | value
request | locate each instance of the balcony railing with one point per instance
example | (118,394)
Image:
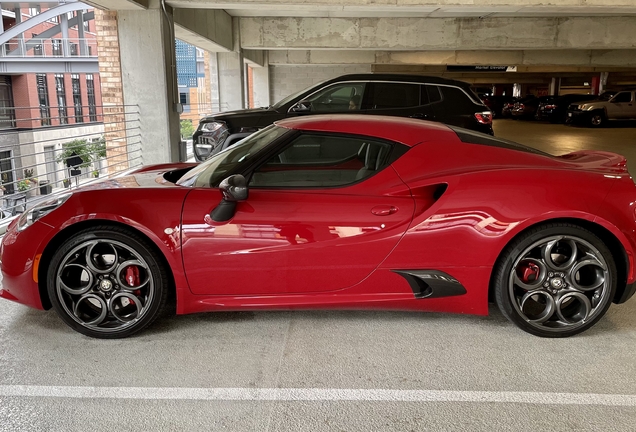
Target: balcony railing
(33,170)
(49,48)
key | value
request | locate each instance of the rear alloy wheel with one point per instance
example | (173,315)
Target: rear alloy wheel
(556,281)
(106,283)
(597,119)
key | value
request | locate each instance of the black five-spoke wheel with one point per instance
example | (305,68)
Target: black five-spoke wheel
(106,282)
(555,281)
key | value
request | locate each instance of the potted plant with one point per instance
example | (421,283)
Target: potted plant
(30,182)
(80,153)
(24,185)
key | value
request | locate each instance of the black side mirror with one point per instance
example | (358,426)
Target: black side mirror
(302,106)
(234,189)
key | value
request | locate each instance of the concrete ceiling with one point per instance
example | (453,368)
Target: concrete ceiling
(413,8)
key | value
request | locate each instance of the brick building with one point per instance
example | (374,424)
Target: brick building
(50,88)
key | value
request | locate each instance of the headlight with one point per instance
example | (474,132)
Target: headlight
(212,126)
(41,209)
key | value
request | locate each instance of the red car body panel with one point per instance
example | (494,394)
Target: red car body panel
(445,205)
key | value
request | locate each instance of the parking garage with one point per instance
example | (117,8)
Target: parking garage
(344,369)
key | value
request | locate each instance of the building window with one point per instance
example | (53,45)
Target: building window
(77,98)
(43,97)
(61,98)
(7,113)
(33,11)
(6,172)
(90,90)
(184,99)
(56,45)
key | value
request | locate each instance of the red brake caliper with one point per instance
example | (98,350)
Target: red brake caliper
(132,276)
(530,273)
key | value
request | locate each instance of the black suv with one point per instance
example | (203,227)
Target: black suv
(421,97)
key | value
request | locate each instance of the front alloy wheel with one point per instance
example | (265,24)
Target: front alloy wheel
(106,283)
(556,281)
(597,119)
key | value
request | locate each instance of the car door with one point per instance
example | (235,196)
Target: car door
(621,106)
(397,99)
(321,215)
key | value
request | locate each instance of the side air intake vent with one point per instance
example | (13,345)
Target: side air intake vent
(432,283)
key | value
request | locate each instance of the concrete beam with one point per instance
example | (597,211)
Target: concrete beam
(412,8)
(597,58)
(22,65)
(118,4)
(256,58)
(208,29)
(439,33)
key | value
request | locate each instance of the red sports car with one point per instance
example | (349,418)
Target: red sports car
(348,212)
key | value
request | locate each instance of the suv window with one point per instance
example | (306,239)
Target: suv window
(338,97)
(394,95)
(456,98)
(623,97)
(432,93)
(317,160)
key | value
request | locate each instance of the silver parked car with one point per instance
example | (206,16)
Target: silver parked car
(596,113)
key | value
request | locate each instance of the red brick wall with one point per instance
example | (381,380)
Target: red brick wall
(25,98)
(26,101)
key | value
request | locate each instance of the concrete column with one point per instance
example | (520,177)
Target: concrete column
(555,86)
(232,74)
(146,48)
(80,33)
(261,84)
(603,83)
(1,21)
(18,20)
(64,27)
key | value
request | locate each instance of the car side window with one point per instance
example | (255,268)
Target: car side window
(338,98)
(318,160)
(433,93)
(394,95)
(622,97)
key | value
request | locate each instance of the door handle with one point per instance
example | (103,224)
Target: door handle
(384,210)
(422,116)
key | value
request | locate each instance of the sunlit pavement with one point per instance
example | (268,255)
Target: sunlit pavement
(195,372)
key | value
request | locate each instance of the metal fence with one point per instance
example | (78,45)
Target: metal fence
(44,47)
(38,162)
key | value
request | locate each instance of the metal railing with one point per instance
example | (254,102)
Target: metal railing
(49,48)
(58,159)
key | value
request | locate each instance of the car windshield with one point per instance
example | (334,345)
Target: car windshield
(293,96)
(211,172)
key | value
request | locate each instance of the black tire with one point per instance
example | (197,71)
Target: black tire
(521,253)
(597,119)
(82,291)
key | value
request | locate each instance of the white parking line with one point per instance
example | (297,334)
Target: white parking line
(315,394)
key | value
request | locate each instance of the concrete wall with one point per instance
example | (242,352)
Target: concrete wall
(285,80)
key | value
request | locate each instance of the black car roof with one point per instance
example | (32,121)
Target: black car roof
(401,77)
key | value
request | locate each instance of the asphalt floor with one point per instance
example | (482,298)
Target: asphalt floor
(328,370)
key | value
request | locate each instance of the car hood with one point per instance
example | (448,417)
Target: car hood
(238,114)
(152,176)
